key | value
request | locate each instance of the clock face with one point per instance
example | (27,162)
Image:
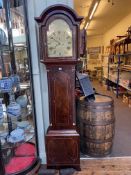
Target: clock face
(59,39)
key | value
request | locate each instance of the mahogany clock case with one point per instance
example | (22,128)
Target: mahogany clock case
(61,84)
(83,38)
(59,49)
(62,149)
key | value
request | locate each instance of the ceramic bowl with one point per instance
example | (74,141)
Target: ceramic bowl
(14,110)
(15,140)
(23,124)
(17,133)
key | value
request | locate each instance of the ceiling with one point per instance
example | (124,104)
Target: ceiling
(106,14)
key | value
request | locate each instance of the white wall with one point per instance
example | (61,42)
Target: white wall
(119,29)
(35,8)
(95,41)
(104,40)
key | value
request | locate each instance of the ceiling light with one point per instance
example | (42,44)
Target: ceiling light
(94,8)
(87,25)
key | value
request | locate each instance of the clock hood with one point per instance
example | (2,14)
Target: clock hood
(57,9)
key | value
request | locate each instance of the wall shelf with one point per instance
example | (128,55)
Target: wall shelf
(118,70)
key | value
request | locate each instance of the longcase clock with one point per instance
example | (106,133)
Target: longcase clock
(59,38)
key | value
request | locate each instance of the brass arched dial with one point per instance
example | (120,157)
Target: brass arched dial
(59,39)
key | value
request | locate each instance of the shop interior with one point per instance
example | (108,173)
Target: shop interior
(107,61)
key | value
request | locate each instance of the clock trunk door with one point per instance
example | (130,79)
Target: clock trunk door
(61,88)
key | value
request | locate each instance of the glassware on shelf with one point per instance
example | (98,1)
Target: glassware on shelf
(22,101)
(13,109)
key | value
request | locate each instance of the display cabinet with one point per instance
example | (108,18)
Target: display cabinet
(18,136)
(119,73)
(119,63)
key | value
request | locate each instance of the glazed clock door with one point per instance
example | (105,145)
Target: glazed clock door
(61,89)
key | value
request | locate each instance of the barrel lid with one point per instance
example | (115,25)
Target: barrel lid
(101,99)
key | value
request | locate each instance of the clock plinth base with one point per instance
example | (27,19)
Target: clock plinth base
(62,147)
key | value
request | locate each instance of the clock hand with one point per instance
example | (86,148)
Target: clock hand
(57,41)
(56,46)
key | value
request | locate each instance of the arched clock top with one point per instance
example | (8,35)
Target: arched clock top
(58,9)
(59,35)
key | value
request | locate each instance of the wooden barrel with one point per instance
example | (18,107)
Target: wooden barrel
(96,124)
